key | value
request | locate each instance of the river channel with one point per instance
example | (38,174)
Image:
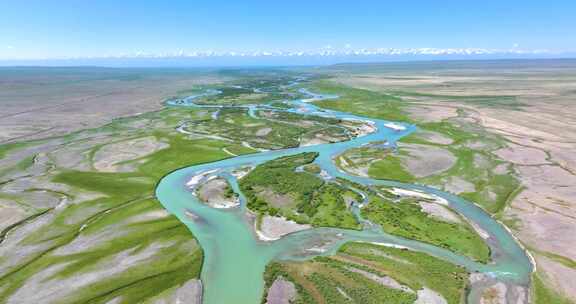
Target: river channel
(234,257)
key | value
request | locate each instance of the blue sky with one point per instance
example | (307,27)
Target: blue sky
(66,28)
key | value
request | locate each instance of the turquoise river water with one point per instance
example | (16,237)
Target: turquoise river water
(235,259)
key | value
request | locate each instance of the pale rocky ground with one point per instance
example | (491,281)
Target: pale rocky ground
(17,249)
(541,142)
(273,228)
(212,193)
(18,201)
(383,280)
(189,293)
(32,202)
(489,291)
(10,213)
(429,296)
(458,185)
(37,102)
(424,160)
(432,113)
(107,158)
(418,160)
(48,289)
(281,292)
(440,212)
(434,137)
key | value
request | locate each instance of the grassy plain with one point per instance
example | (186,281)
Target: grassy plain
(361,102)
(109,217)
(350,276)
(406,218)
(469,143)
(524,108)
(104,232)
(112,239)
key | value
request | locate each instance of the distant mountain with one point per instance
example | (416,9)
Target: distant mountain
(318,57)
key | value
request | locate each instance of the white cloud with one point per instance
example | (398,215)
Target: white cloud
(325,51)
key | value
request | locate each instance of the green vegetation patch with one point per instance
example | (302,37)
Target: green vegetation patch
(268,129)
(361,102)
(405,218)
(390,168)
(543,294)
(277,188)
(312,168)
(418,269)
(173,256)
(377,162)
(185,152)
(279,177)
(492,190)
(473,175)
(341,278)
(249,90)
(329,281)
(492,101)
(328,208)
(124,219)
(7,148)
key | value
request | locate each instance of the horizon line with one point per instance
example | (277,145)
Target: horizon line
(322,52)
(423,61)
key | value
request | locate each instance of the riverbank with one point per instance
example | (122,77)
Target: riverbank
(257,255)
(537,125)
(230,256)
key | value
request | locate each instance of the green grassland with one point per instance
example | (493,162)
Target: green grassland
(543,294)
(312,201)
(249,91)
(312,168)
(492,190)
(119,212)
(361,102)
(380,162)
(390,168)
(178,261)
(119,207)
(307,198)
(331,279)
(273,131)
(405,218)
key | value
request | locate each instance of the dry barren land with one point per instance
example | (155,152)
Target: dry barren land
(42,102)
(532,105)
